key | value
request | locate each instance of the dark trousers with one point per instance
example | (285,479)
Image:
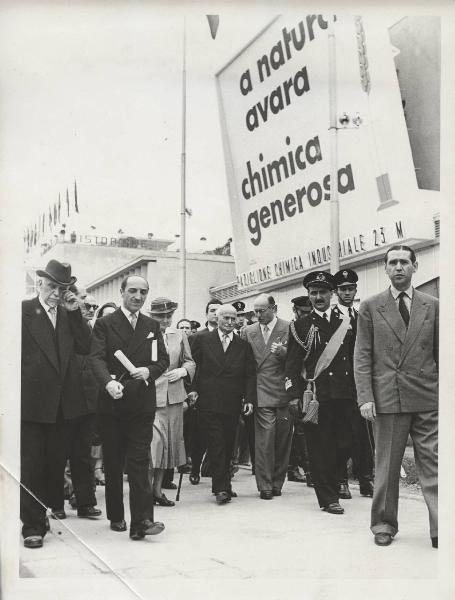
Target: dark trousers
(196,439)
(362,453)
(219,430)
(245,432)
(126,442)
(329,445)
(79,440)
(299,451)
(43,458)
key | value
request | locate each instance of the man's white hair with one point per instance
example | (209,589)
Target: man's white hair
(225,308)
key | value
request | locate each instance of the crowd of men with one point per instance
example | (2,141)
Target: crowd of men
(334,387)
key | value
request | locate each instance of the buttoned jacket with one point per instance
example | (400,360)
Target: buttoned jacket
(179,352)
(269,365)
(394,366)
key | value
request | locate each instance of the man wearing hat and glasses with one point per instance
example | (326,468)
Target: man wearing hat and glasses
(321,352)
(363,442)
(53,330)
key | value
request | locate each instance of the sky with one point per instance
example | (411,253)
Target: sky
(92,92)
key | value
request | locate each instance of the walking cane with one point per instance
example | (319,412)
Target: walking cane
(177,498)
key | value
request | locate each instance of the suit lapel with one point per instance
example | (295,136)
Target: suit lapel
(217,347)
(277,333)
(419,311)
(40,329)
(65,340)
(140,334)
(122,327)
(389,311)
(258,339)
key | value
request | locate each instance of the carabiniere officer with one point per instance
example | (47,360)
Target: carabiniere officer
(328,441)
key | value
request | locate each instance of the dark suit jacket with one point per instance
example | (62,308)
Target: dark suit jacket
(223,379)
(114,332)
(334,382)
(395,367)
(50,372)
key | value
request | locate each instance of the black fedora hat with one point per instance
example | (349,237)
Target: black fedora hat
(162,306)
(58,272)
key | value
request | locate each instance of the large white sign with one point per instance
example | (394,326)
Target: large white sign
(274,104)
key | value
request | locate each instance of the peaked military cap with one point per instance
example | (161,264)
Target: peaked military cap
(321,278)
(301,301)
(195,324)
(345,276)
(239,307)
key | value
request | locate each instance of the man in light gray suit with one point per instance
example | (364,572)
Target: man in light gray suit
(396,375)
(273,422)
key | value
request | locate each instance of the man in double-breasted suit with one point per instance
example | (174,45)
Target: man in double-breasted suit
(53,330)
(396,374)
(126,403)
(273,422)
(225,375)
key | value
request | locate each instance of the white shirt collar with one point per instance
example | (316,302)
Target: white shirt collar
(395,293)
(328,312)
(345,309)
(210,327)
(128,313)
(271,325)
(221,334)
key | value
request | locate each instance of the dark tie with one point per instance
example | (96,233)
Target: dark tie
(324,316)
(404,312)
(133,320)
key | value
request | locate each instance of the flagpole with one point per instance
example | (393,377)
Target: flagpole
(183,180)
(333,134)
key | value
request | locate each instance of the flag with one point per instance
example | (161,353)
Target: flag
(67,203)
(214,21)
(76,207)
(59,208)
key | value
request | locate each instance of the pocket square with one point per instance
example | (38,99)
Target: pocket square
(150,335)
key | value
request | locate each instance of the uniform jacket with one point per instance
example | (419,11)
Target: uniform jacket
(269,367)
(114,332)
(223,379)
(179,353)
(395,367)
(334,382)
(50,374)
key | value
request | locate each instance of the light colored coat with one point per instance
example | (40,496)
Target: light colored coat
(270,368)
(179,356)
(395,367)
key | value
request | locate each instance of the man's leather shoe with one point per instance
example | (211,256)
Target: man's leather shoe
(222,497)
(33,541)
(296,476)
(162,500)
(195,478)
(276,492)
(152,527)
(137,534)
(232,494)
(169,486)
(118,525)
(366,489)
(266,494)
(344,491)
(382,539)
(434,541)
(58,514)
(334,508)
(88,512)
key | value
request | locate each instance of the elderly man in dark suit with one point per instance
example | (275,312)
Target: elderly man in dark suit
(127,402)
(273,422)
(53,331)
(225,376)
(396,374)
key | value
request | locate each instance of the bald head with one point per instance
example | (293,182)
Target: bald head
(264,308)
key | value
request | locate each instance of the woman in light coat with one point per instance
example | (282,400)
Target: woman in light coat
(168,448)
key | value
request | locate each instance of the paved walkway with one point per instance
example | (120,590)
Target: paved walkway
(273,548)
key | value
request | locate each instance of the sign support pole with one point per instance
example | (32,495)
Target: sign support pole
(333,129)
(183,182)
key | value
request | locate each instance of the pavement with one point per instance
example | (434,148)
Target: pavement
(262,545)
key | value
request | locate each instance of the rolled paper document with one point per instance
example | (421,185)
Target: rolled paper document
(154,350)
(120,356)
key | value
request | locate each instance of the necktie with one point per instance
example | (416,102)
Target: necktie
(52,312)
(351,315)
(324,316)
(133,320)
(404,312)
(225,341)
(265,333)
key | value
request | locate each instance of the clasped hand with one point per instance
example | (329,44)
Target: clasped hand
(114,389)
(175,374)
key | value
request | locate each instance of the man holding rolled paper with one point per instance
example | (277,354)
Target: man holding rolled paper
(128,355)
(320,386)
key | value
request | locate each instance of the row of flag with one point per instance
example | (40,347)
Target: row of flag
(47,222)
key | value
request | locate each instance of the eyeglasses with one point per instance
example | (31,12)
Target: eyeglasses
(89,306)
